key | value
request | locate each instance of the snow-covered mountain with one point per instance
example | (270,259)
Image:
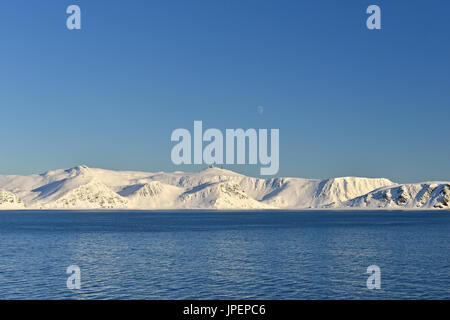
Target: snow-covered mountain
(213,188)
(413,196)
(9,200)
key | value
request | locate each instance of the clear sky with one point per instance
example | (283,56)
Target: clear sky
(347,100)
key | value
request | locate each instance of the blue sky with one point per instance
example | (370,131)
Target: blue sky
(347,100)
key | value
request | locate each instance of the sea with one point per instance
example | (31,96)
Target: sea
(225,255)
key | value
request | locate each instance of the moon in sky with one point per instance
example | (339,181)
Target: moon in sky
(260,110)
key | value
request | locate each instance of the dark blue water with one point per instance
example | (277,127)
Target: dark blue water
(225,255)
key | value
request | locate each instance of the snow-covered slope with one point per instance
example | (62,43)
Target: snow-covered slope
(219,195)
(151,195)
(79,188)
(293,193)
(431,195)
(213,188)
(9,200)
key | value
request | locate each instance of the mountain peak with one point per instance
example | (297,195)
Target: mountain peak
(81,169)
(218,171)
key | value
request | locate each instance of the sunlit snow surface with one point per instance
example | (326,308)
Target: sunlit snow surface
(213,188)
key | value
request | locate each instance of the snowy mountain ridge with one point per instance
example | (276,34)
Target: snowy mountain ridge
(83,188)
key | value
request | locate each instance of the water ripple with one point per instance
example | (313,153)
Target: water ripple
(261,255)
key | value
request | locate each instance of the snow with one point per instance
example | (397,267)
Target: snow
(213,188)
(9,200)
(430,195)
